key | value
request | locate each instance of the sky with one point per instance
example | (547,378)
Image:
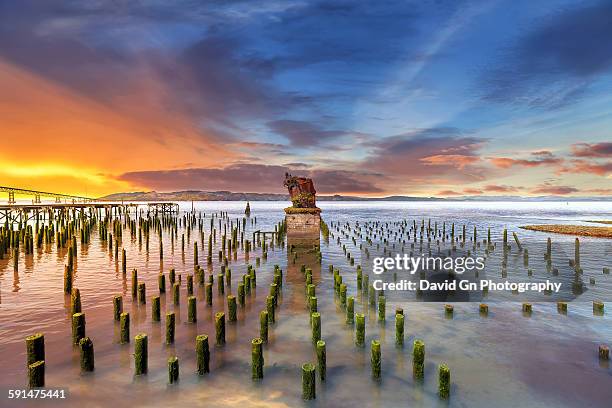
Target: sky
(423,98)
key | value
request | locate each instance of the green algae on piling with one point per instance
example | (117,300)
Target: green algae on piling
(375,359)
(443,381)
(202,354)
(418,359)
(141,354)
(257,359)
(308,381)
(124,324)
(173,369)
(35,348)
(220,328)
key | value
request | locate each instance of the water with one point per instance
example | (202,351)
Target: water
(506,359)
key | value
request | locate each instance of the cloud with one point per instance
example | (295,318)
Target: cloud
(588,167)
(554,64)
(599,191)
(457,160)
(427,154)
(603,149)
(257,178)
(547,188)
(493,188)
(473,191)
(449,193)
(301,133)
(542,158)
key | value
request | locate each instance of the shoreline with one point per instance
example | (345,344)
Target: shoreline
(578,230)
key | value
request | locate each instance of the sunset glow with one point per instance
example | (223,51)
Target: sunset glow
(124,102)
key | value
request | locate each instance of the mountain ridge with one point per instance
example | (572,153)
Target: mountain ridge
(222,195)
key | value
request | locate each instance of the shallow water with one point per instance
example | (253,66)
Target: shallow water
(505,359)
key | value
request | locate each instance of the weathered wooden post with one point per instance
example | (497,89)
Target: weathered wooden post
(202,354)
(350,310)
(316,326)
(155,309)
(75,301)
(418,359)
(170,327)
(360,329)
(142,293)
(35,348)
(162,283)
(220,328)
(134,283)
(443,381)
(192,311)
(321,359)
(257,358)
(87,354)
(117,307)
(375,359)
(78,327)
(270,308)
(308,381)
(124,324)
(36,374)
(399,329)
(263,326)
(141,354)
(176,293)
(173,370)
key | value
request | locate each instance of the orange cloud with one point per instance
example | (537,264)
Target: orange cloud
(492,188)
(448,193)
(456,160)
(583,166)
(603,149)
(542,160)
(57,139)
(553,190)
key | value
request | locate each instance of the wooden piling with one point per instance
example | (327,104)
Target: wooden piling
(231,308)
(173,370)
(263,325)
(360,329)
(141,354)
(443,381)
(308,381)
(316,326)
(192,311)
(124,324)
(170,327)
(155,309)
(257,359)
(220,328)
(162,283)
(321,359)
(350,310)
(142,293)
(418,359)
(270,308)
(202,354)
(36,374)
(35,348)
(134,283)
(375,359)
(381,308)
(75,301)
(399,329)
(78,327)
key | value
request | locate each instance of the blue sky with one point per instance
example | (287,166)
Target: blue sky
(399,97)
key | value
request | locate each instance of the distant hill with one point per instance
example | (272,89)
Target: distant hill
(196,195)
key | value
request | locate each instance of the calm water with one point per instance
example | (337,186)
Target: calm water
(506,359)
